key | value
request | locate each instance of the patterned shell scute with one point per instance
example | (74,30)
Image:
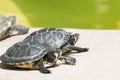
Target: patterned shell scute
(51,36)
(21,52)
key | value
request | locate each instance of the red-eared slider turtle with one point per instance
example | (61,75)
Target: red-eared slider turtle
(42,49)
(8,27)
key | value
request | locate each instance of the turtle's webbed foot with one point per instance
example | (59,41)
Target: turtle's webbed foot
(68,60)
(71,61)
(78,49)
(83,49)
(42,68)
(45,71)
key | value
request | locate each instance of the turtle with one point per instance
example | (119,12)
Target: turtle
(42,49)
(8,27)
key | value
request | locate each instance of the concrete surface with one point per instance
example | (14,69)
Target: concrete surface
(101,62)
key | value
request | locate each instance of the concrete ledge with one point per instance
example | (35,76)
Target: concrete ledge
(101,62)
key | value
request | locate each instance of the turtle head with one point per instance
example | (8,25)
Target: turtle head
(12,20)
(73,38)
(18,30)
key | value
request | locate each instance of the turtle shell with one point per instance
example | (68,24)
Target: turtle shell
(24,52)
(35,46)
(51,36)
(5,25)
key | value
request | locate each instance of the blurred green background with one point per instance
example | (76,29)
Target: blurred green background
(84,14)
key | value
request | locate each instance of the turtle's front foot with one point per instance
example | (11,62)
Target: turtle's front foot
(78,49)
(83,49)
(68,60)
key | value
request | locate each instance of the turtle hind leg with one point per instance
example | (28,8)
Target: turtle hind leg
(68,60)
(43,69)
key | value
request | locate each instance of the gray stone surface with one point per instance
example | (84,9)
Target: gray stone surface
(101,62)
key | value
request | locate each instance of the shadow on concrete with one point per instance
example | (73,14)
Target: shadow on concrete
(8,67)
(3,66)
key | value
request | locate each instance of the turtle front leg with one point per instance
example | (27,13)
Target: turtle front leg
(78,49)
(68,60)
(18,30)
(58,55)
(42,68)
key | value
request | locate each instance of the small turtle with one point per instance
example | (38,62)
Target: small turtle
(42,49)
(8,27)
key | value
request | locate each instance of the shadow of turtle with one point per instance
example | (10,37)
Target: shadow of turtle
(5,38)
(8,67)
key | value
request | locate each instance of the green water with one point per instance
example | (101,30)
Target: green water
(85,14)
